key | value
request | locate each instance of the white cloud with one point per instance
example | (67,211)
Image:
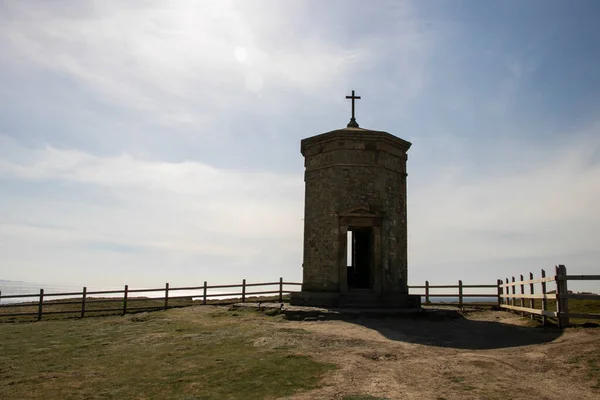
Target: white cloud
(513,220)
(176,60)
(206,68)
(180,63)
(177,211)
(168,208)
(195,66)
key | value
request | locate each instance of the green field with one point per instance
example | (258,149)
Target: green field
(575,306)
(187,353)
(97,306)
(209,352)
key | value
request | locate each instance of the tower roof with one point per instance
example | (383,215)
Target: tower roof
(353,133)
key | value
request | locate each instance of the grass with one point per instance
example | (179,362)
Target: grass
(147,304)
(460,382)
(188,353)
(589,362)
(295,330)
(97,306)
(575,306)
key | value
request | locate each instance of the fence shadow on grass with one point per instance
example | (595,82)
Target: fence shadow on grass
(458,332)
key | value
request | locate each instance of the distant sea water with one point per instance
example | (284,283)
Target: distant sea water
(455,299)
(8,288)
(19,288)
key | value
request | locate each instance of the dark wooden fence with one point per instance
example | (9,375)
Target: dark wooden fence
(535,303)
(525,303)
(85,302)
(460,289)
(505,296)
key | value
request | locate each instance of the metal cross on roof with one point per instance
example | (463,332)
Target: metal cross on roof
(353,123)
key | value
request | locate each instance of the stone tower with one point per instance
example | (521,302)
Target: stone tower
(355,230)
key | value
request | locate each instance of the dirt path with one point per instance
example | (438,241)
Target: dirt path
(486,355)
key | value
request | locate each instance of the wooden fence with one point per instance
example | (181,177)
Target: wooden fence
(84,301)
(511,300)
(505,296)
(459,294)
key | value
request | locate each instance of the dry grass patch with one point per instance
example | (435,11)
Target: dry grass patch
(191,353)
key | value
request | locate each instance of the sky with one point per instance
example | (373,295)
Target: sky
(145,142)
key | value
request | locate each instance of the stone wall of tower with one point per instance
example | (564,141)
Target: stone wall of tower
(343,170)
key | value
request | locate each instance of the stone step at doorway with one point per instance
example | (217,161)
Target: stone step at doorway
(360,299)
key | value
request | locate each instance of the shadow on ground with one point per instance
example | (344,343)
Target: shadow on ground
(457,332)
(441,327)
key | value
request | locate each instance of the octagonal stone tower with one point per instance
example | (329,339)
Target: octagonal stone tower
(355,230)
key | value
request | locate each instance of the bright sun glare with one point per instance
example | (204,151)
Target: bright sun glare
(240,54)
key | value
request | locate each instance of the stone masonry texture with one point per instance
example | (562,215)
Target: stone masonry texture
(347,169)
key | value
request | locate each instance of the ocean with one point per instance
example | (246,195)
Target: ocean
(19,288)
(8,288)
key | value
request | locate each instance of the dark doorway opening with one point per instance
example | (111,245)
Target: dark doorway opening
(360,252)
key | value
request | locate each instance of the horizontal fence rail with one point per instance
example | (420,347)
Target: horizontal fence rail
(43,300)
(525,303)
(460,295)
(505,296)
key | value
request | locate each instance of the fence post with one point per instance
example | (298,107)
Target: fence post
(243,290)
(499,283)
(40,305)
(514,292)
(460,294)
(426,292)
(204,294)
(544,300)
(531,290)
(83,297)
(507,299)
(166,295)
(125,299)
(522,302)
(562,303)
(281,290)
